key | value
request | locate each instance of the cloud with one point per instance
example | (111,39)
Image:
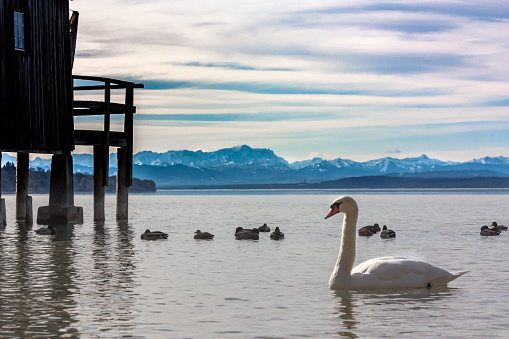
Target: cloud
(305,74)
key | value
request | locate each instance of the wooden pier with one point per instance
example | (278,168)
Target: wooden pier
(37,110)
(102,140)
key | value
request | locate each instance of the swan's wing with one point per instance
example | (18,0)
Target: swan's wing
(394,268)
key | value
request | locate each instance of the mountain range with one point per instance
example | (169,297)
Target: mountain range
(245,165)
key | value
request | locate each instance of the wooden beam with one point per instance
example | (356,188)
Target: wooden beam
(101,87)
(110,80)
(83,108)
(91,137)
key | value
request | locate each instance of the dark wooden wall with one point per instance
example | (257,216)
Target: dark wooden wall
(36,99)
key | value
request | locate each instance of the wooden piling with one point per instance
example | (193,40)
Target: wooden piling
(29,214)
(122,184)
(99,181)
(3,214)
(22,170)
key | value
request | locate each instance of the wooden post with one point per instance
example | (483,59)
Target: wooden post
(106,141)
(3,219)
(129,131)
(122,185)
(29,214)
(22,168)
(3,214)
(99,182)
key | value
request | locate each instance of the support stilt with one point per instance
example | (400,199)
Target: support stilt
(29,214)
(22,170)
(122,185)
(99,182)
(3,219)
(61,207)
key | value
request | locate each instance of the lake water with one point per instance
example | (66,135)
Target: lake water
(101,280)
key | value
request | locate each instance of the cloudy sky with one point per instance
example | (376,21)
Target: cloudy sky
(358,79)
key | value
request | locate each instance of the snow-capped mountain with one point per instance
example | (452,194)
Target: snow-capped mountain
(240,155)
(243,164)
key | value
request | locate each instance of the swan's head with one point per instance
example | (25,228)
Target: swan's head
(342,204)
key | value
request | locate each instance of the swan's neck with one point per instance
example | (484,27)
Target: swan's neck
(346,256)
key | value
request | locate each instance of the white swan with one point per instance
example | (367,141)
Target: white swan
(378,273)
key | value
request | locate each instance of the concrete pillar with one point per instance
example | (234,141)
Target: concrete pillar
(99,182)
(61,207)
(122,185)
(3,219)
(22,170)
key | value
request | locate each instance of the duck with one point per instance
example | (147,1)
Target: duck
(378,273)
(375,228)
(277,234)
(50,230)
(365,231)
(245,234)
(203,235)
(494,226)
(264,228)
(386,234)
(148,235)
(486,231)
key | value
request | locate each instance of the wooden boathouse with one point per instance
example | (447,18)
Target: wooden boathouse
(37,110)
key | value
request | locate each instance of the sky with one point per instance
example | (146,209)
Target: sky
(356,80)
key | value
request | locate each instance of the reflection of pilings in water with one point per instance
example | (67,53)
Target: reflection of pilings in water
(63,281)
(109,297)
(14,280)
(35,286)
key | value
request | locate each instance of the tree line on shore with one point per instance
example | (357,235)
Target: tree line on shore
(39,182)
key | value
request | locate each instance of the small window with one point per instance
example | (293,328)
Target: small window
(19,31)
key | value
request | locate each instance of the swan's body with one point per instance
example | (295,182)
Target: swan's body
(386,234)
(153,235)
(486,231)
(245,234)
(378,273)
(203,235)
(277,234)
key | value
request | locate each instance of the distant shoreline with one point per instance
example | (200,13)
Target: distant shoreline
(370,183)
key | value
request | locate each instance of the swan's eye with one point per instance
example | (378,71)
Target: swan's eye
(335,205)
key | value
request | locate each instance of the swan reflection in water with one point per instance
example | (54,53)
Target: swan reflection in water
(359,310)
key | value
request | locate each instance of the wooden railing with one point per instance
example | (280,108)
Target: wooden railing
(106,137)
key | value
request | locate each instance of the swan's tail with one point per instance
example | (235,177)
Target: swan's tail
(443,280)
(458,274)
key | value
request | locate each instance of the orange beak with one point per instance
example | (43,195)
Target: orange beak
(333,211)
